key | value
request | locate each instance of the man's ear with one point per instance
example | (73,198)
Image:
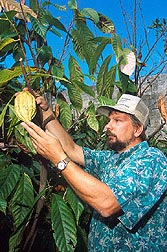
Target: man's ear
(138,130)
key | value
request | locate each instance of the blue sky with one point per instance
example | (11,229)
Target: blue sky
(150,9)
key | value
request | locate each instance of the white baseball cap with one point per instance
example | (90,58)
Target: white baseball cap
(129,104)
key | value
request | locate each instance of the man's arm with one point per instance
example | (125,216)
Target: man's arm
(54,127)
(97,194)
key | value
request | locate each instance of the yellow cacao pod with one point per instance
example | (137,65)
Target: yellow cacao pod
(25,106)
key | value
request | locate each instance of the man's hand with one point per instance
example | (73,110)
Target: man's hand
(45,143)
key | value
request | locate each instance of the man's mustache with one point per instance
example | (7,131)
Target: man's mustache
(109,133)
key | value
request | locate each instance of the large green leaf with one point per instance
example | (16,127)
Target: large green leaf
(22,200)
(5,42)
(40,26)
(17,236)
(98,52)
(91,117)
(6,26)
(83,42)
(91,13)
(127,85)
(23,138)
(105,24)
(86,89)
(54,22)
(109,82)
(117,45)
(15,240)
(63,224)
(74,203)
(8,74)
(74,94)
(44,54)
(9,177)
(75,70)
(65,114)
(103,100)
(100,85)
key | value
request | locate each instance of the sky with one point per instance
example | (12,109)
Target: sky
(149,11)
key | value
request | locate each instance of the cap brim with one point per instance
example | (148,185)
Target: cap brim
(106,109)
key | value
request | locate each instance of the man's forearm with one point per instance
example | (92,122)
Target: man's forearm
(91,190)
(54,127)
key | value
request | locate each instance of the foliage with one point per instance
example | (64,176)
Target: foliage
(32,195)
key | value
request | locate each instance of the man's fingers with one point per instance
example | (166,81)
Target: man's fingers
(33,129)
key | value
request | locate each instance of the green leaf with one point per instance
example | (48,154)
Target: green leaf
(78,44)
(117,45)
(105,24)
(100,85)
(127,85)
(74,203)
(44,54)
(98,52)
(23,138)
(58,69)
(40,26)
(65,114)
(75,70)
(22,200)
(91,118)
(57,6)
(3,205)
(9,177)
(103,100)
(9,74)
(84,45)
(72,4)
(15,240)
(2,115)
(90,13)
(75,97)
(16,237)
(109,82)
(54,22)
(6,42)
(86,89)
(63,224)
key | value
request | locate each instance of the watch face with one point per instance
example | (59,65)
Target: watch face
(61,165)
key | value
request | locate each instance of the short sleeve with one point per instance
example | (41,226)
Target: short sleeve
(139,186)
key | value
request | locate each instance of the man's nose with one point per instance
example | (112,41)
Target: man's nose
(108,125)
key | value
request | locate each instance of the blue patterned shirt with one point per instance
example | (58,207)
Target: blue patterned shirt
(138,179)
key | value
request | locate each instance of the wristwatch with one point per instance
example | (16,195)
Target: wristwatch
(61,165)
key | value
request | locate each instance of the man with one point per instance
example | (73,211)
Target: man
(126,186)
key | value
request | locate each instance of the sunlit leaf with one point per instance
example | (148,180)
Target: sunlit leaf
(100,85)
(90,13)
(65,114)
(72,4)
(105,24)
(128,63)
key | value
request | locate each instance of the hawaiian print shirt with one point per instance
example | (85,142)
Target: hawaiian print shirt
(138,179)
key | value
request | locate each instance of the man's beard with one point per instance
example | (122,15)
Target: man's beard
(117,145)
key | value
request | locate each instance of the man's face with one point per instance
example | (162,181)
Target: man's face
(120,131)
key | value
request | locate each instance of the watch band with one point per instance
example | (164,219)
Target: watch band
(48,119)
(61,165)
